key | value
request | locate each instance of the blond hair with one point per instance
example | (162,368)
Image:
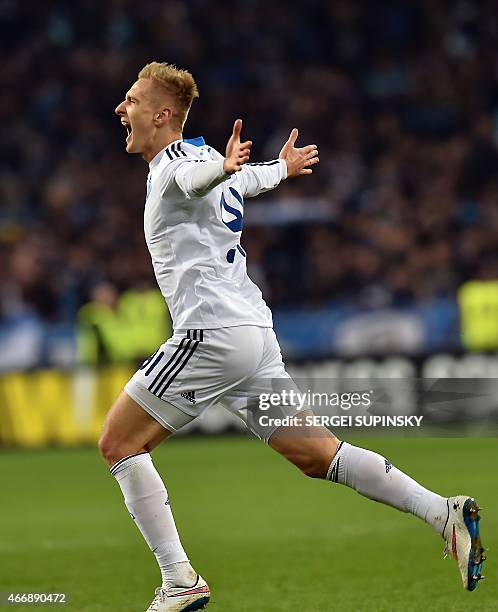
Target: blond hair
(179,84)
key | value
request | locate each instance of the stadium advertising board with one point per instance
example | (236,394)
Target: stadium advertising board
(443,388)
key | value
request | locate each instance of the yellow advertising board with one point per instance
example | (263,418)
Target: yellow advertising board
(478,302)
(58,407)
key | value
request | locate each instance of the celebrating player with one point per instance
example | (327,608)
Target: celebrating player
(224,344)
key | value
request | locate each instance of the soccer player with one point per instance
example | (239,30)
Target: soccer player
(223,343)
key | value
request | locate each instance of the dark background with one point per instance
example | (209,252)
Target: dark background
(401,96)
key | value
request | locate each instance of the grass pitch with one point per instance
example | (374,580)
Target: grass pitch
(265,537)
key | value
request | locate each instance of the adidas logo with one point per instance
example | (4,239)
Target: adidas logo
(388,465)
(190,396)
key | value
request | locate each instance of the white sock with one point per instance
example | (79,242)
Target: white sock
(147,501)
(375,477)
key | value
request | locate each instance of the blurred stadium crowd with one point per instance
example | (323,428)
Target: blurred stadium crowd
(401,96)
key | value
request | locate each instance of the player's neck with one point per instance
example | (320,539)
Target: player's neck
(160,144)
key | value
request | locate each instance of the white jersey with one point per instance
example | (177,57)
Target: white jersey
(194,242)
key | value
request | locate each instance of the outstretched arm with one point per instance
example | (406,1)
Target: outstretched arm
(292,161)
(197,179)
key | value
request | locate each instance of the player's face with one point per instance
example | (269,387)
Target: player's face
(137,112)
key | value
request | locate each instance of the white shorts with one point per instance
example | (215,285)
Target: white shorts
(197,368)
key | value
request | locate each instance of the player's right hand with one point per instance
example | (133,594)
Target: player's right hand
(237,153)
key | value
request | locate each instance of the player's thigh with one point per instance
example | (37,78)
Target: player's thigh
(253,399)
(193,370)
(311,448)
(189,373)
(128,429)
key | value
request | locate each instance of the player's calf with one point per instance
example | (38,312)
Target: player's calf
(375,477)
(310,449)
(128,434)
(319,454)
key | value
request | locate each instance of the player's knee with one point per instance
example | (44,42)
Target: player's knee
(105,447)
(111,450)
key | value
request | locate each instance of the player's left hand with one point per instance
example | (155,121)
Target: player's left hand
(298,160)
(237,153)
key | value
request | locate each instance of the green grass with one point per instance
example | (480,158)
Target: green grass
(265,537)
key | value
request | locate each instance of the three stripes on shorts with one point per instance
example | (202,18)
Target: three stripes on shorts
(175,364)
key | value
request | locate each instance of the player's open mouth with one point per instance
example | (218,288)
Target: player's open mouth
(128,127)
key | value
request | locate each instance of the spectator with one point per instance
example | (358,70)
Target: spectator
(402,98)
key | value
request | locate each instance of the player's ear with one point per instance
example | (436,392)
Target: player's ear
(163,116)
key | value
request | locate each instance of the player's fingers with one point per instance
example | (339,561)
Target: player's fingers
(306,171)
(311,154)
(293,136)
(237,128)
(309,149)
(291,140)
(246,144)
